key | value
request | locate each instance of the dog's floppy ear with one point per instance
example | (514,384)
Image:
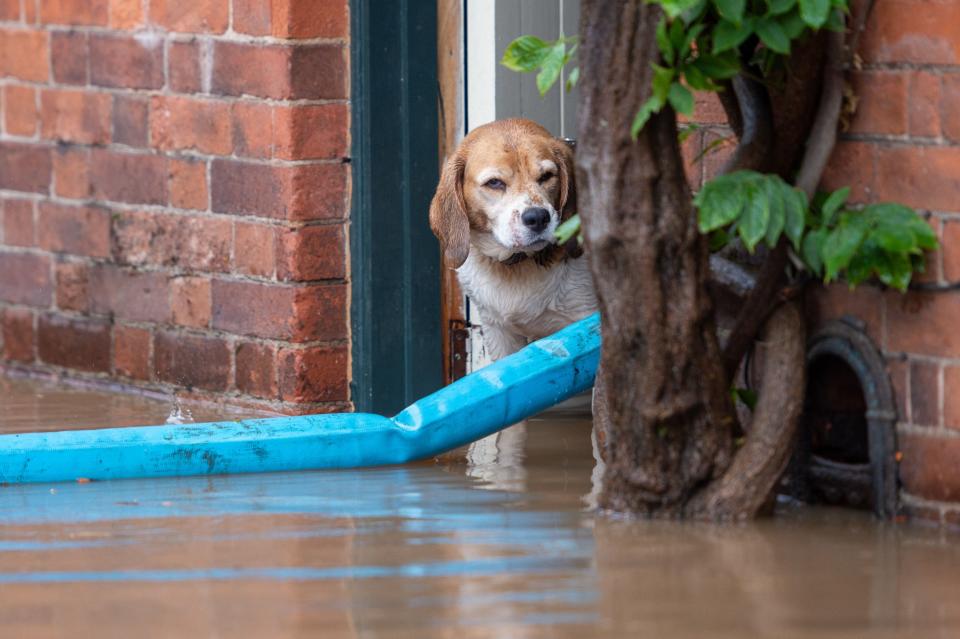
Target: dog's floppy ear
(567,204)
(448,213)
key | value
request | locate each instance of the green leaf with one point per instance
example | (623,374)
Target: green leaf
(842,243)
(780,6)
(792,24)
(680,98)
(894,238)
(836,22)
(573,78)
(718,67)
(755,217)
(773,35)
(696,79)
(551,66)
(651,106)
(895,270)
(719,202)
(690,38)
(664,43)
(686,130)
(814,12)
(674,8)
(718,239)
(568,230)
(745,395)
(795,208)
(676,34)
(812,251)
(732,10)
(832,204)
(526,53)
(778,213)
(728,35)
(662,78)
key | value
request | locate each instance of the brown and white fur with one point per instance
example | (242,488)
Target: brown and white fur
(522,284)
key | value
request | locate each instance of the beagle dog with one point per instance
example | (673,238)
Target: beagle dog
(500,198)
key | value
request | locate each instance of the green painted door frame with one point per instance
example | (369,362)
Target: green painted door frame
(395,262)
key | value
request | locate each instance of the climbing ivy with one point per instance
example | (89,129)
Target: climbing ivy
(703,44)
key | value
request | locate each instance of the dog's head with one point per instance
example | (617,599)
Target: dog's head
(509,184)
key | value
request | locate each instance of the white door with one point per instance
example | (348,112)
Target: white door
(494,92)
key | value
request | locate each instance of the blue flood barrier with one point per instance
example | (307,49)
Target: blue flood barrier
(539,376)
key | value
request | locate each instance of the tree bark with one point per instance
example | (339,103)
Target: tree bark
(668,418)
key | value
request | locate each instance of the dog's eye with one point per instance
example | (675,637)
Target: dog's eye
(546,177)
(494,183)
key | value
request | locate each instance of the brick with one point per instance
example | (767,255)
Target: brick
(948,107)
(923,323)
(18,226)
(184,67)
(924,393)
(129,295)
(190,301)
(154,239)
(80,230)
(24,167)
(187,123)
(707,109)
(126,177)
(19,338)
(124,62)
(70,57)
(292,18)
(882,107)
(87,12)
(254,251)
(196,16)
(924,104)
(257,370)
(291,313)
(319,374)
(26,279)
(19,110)
(302,192)
(188,184)
(71,172)
(73,286)
(25,54)
(915,31)
(951,397)
(126,14)
(279,71)
(30,12)
(75,116)
(10,10)
(929,466)
(718,147)
(897,369)
(312,253)
(130,124)
(921,177)
(201,362)
(312,132)
(834,301)
(252,129)
(131,352)
(690,150)
(81,344)
(950,245)
(852,164)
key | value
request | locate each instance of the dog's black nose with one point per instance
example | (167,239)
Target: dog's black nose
(535,218)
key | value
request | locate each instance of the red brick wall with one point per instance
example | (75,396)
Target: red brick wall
(903,145)
(174,195)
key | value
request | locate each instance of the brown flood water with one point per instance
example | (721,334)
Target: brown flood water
(496,542)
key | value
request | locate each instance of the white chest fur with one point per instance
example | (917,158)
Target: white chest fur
(526,299)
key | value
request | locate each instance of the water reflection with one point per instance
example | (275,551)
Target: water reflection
(495,542)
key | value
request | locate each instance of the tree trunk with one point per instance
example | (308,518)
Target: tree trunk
(668,416)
